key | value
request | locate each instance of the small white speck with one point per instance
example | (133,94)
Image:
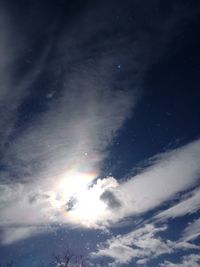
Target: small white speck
(51,95)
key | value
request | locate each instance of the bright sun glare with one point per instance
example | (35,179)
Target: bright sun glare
(87,208)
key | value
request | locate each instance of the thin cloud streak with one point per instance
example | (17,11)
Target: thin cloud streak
(192,231)
(185,207)
(14,89)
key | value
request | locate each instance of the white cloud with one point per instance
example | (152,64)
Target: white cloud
(192,231)
(186,206)
(191,260)
(140,245)
(13,88)
(14,234)
(44,202)
(171,173)
(63,149)
(61,154)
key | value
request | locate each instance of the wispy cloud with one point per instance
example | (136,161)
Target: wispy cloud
(187,261)
(14,88)
(192,231)
(46,205)
(11,235)
(67,141)
(187,206)
(171,173)
(140,245)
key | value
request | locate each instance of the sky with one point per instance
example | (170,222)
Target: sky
(100,132)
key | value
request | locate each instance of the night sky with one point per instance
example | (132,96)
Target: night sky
(100,132)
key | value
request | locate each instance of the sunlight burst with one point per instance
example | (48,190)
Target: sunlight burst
(77,197)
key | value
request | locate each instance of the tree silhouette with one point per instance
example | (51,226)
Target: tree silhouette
(68,260)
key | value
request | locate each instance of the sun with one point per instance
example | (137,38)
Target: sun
(77,197)
(89,208)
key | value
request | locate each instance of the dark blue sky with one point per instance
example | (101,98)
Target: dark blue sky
(99,132)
